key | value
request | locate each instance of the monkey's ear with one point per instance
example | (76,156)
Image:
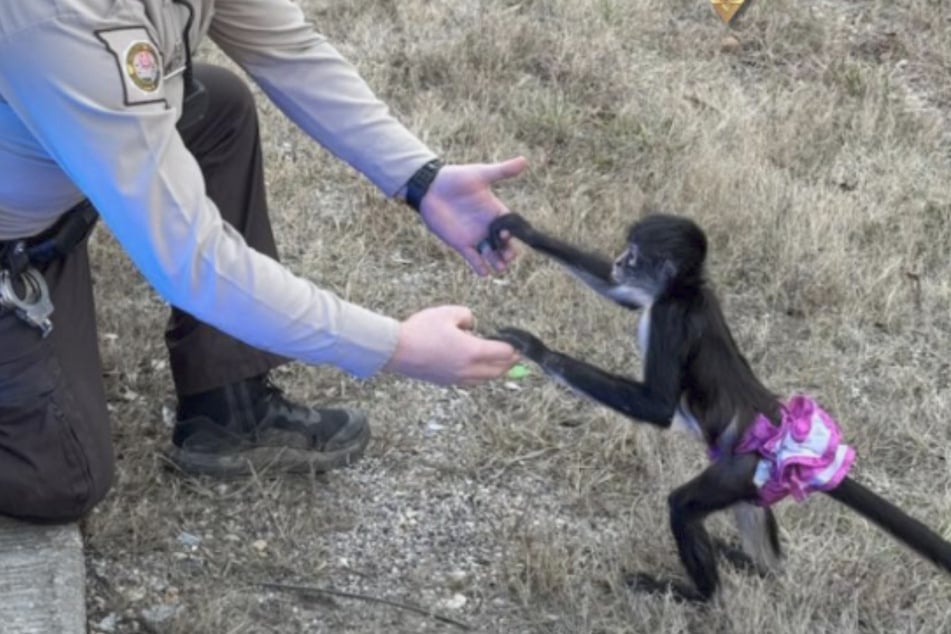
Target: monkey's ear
(669,270)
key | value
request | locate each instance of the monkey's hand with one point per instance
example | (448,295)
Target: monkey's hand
(526,343)
(514,224)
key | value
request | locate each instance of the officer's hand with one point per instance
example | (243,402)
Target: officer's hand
(435,345)
(459,206)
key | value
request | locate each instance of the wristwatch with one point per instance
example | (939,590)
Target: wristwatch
(419,183)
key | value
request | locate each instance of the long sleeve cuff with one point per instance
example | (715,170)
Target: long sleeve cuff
(365,341)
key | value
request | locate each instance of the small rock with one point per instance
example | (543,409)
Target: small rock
(159,614)
(729,44)
(107,625)
(187,539)
(259,545)
(457,579)
(133,594)
(433,427)
(168,416)
(456,602)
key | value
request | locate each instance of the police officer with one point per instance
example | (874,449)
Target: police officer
(102,107)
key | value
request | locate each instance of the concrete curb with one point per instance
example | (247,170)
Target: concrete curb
(42,579)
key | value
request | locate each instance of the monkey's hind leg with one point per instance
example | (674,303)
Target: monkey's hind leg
(759,533)
(758,552)
(720,486)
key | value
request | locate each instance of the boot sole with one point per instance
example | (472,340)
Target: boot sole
(258,460)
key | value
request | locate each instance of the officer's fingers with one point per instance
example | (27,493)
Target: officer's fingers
(487,371)
(494,258)
(460,316)
(494,352)
(506,169)
(474,259)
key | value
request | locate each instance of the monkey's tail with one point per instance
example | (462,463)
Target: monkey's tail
(902,526)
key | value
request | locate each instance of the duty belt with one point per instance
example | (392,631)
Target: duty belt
(23,288)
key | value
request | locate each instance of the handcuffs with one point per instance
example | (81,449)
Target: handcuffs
(23,290)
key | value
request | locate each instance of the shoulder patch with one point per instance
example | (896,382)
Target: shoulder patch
(139,62)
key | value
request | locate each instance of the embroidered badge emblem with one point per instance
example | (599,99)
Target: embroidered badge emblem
(142,65)
(139,63)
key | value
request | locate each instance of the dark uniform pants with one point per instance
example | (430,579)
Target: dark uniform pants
(56,458)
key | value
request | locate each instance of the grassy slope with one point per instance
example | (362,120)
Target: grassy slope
(816,158)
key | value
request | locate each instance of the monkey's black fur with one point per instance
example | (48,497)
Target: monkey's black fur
(694,373)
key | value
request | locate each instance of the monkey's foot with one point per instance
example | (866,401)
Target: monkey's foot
(679,591)
(740,560)
(736,557)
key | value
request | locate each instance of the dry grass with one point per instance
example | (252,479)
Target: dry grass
(816,157)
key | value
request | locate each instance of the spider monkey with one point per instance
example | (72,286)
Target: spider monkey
(695,376)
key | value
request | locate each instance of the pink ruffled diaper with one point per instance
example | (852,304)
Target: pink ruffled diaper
(801,455)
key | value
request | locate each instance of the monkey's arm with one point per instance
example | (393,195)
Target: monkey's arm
(591,268)
(653,401)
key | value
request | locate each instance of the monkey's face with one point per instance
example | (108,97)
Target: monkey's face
(639,276)
(662,250)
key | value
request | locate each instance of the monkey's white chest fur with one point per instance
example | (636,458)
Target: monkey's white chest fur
(643,332)
(684,420)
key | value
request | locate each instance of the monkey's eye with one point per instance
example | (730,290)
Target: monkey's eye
(631,260)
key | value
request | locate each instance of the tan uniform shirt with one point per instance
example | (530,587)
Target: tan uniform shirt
(90,91)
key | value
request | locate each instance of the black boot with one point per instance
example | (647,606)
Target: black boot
(250,426)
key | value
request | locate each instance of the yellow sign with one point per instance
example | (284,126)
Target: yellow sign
(726,9)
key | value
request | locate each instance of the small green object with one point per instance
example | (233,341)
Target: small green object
(518,371)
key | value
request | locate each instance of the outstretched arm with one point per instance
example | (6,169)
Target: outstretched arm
(653,401)
(591,268)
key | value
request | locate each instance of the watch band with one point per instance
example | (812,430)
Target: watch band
(419,183)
